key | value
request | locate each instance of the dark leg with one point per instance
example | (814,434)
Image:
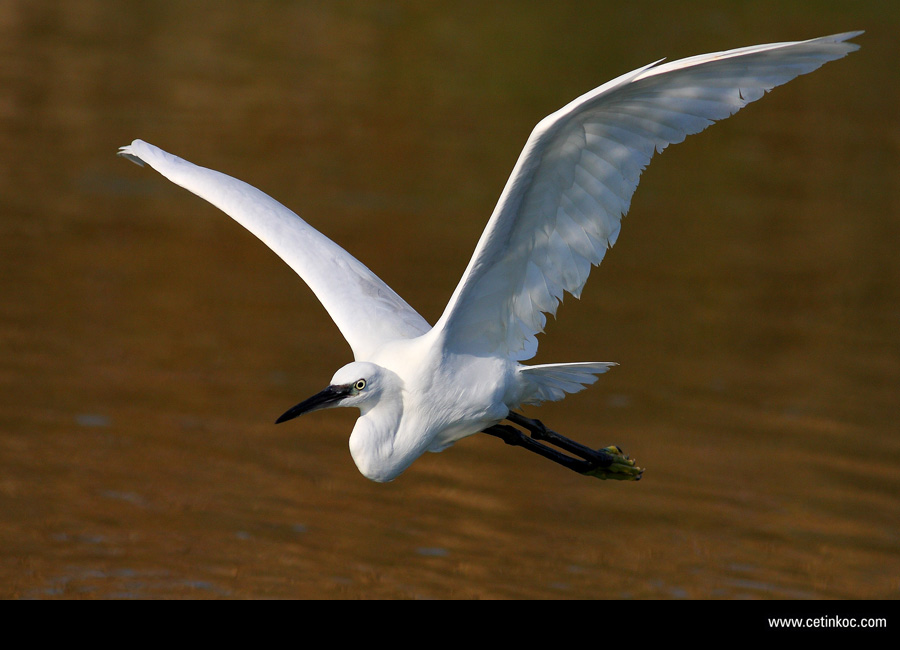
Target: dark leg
(539,431)
(601,463)
(512,436)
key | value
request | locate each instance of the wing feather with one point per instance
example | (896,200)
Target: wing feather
(367,311)
(562,206)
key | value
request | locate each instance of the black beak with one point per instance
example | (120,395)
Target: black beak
(318,401)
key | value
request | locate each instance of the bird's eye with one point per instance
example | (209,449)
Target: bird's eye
(360,384)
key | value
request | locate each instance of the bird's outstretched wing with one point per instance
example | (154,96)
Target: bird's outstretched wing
(366,310)
(562,206)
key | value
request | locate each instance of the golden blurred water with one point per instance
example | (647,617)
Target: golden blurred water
(753,302)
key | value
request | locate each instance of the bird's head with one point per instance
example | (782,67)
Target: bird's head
(358,384)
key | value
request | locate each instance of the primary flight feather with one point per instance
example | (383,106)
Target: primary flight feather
(422,388)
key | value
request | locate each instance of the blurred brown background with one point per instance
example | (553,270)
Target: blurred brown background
(148,342)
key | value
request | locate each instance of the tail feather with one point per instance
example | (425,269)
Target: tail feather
(552,381)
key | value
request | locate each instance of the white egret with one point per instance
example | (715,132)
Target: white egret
(421,388)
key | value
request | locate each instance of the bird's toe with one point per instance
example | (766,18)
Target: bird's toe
(616,466)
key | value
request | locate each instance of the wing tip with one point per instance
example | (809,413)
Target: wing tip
(843,40)
(128,153)
(846,36)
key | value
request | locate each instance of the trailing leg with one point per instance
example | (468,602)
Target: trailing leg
(512,436)
(608,463)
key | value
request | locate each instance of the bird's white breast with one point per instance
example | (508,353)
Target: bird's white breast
(439,398)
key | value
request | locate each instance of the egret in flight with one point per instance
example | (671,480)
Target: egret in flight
(420,387)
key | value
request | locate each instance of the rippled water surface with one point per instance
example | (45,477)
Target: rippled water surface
(148,342)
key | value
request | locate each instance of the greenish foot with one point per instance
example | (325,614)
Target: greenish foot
(620,467)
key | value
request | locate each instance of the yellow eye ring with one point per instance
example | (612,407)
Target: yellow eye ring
(360,384)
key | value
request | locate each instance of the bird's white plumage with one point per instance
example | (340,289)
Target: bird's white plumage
(558,214)
(366,310)
(562,206)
